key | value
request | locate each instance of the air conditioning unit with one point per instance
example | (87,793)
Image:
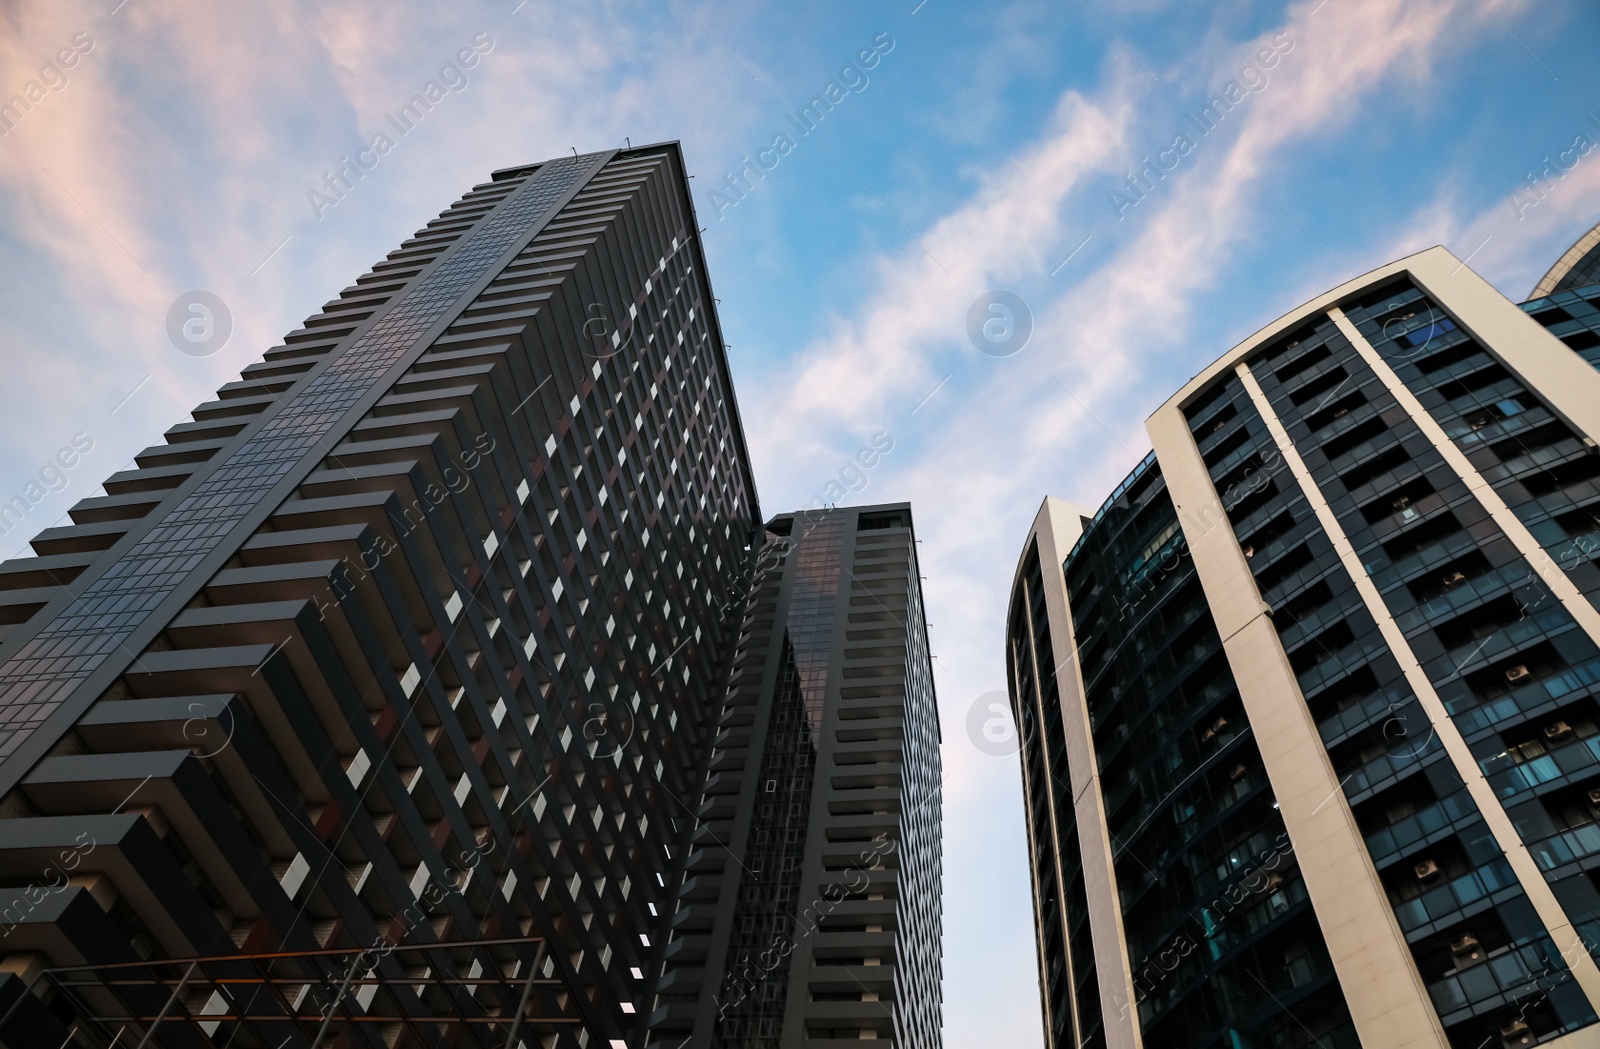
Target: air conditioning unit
(1211,733)
(1466,950)
(1237,773)
(1594,798)
(1426,870)
(1515,1033)
(1557,730)
(1518,672)
(1453,580)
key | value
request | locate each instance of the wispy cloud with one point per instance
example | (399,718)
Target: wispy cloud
(981,455)
(179,155)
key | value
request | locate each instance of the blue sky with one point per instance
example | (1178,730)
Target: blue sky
(978,153)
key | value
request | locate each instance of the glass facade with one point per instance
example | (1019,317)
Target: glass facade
(812,909)
(402,742)
(1396,515)
(38,677)
(1573,316)
(1567,515)
(756,986)
(1220,938)
(1451,581)
(1584,271)
(1070,985)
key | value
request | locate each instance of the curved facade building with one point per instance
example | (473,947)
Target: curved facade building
(1578,267)
(1309,705)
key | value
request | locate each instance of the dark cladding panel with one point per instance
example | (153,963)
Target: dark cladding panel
(417,750)
(812,908)
(100,621)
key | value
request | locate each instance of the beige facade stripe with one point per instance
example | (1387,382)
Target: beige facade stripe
(1565,937)
(1561,585)
(1036,698)
(1567,382)
(1057,528)
(1388,1001)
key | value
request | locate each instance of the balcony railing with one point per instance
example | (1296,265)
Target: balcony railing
(1419,825)
(1444,900)
(1575,844)
(1511,973)
(1572,759)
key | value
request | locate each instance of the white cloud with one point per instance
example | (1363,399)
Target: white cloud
(992,444)
(192,133)
(845,380)
(181,152)
(1519,237)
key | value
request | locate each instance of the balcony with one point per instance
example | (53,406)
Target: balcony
(1351,657)
(1572,759)
(1422,824)
(1576,844)
(1453,602)
(1509,973)
(1385,767)
(1444,901)
(1472,717)
(1386,703)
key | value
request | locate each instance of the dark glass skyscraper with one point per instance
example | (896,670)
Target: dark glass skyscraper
(1311,704)
(812,914)
(372,707)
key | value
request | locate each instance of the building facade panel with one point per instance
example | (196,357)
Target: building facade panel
(812,915)
(1382,992)
(404,655)
(1182,782)
(1385,499)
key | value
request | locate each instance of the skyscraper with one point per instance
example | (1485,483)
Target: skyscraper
(372,704)
(1309,704)
(812,910)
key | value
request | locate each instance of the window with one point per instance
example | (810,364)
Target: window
(1430,331)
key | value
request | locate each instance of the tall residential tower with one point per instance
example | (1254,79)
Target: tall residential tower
(1311,704)
(812,911)
(370,706)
